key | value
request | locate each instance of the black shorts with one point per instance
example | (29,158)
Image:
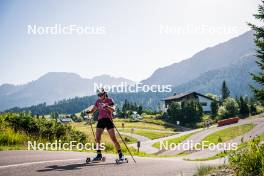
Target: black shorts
(105,123)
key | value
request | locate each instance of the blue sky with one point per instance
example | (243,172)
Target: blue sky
(133,45)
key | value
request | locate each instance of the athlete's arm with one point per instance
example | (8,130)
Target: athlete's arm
(111,107)
(92,110)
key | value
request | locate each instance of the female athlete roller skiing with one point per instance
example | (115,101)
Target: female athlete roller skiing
(105,107)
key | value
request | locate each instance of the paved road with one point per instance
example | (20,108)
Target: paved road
(257,130)
(146,146)
(136,136)
(30,163)
(198,137)
(145,129)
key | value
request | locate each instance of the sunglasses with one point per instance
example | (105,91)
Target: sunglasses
(100,94)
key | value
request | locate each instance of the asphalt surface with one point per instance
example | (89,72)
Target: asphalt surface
(30,163)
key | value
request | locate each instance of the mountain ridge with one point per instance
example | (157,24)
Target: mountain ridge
(223,54)
(237,79)
(52,87)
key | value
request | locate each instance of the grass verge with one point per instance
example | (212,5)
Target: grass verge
(214,170)
(152,124)
(224,154)
(149,134)
(228,133)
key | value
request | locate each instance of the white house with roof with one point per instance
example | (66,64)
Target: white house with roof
(205,101)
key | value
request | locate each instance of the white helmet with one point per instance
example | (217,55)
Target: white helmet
(101,92)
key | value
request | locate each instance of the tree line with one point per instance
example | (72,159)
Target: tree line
(190,112)
(147,100)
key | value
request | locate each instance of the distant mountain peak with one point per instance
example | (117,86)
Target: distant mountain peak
(107,76)
(218,56)
(51,87)
(59,75)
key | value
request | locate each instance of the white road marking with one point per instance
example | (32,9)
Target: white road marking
(36,162)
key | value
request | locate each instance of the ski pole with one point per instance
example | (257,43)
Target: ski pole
(92,129)
(124,143)
(91,125)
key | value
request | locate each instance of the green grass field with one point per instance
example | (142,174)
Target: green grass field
(228,133)
(83,127)
(149,134)
(151,124)
(262,137)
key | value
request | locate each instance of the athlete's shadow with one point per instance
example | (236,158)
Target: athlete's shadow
(71,166)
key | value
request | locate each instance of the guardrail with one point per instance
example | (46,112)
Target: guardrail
(228,121)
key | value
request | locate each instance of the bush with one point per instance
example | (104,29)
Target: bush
(9,137)
(259,109)
(174,110)
(38,128)
(249,159)
(188,112)
(214,108)
(243,107)
(229,108)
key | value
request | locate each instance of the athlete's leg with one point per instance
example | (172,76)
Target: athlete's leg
(112,135)
(99,132)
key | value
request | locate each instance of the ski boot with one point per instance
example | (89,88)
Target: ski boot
(121,160)
(98,158)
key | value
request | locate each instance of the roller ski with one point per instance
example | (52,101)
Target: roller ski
(121,160)
(97,159)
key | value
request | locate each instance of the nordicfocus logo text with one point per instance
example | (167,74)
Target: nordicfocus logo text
(190,145)
(124,87)
(58,145)
(60,29)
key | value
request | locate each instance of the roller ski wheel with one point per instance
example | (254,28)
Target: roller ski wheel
(120,161)
(95,160)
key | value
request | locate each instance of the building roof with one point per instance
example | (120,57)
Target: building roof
(181,95)
(66,120)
